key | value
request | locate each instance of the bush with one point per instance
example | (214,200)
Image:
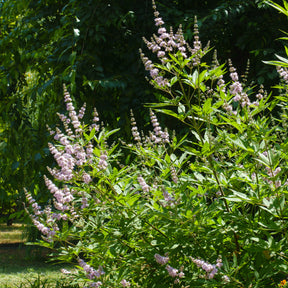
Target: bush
(205,210)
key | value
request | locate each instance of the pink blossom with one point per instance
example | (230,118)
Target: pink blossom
(86,178)
(161,259)
(158,21)
(143,184)
(102,165)
(125,283)
(172,271)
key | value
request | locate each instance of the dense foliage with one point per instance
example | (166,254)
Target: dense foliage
(208,209)
(93,47)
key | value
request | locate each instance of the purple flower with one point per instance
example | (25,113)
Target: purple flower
(102,165)
(154,72)
(125,283)
(86,178)
(158,21)
(211,270)
(161,30)
(174,175)
(172,271)
(160,54)
(91,273)
(143,184)
(95,284)
(82,111)
(161,259)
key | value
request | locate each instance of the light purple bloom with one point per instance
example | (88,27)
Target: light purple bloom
(172,271)
(125,283)
(161,259)
(86,178)
(143,184)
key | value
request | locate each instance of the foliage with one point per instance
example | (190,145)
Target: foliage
(43,46)
(205,210)
(40,283)
(240,30)
(93,47)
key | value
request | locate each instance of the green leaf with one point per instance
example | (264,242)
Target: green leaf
(278,7)
(285,60)
(230,121)
(181,117)
(207,109)
(181,108)
(173,80)
(239,143)
(240,195)
(108,134)
(276,63)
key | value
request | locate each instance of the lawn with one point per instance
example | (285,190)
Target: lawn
(12,234)
(26,266)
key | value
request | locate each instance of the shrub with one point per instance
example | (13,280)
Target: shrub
(206,210)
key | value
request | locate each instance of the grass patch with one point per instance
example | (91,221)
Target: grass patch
(24,266)
(12,234)
(28,267)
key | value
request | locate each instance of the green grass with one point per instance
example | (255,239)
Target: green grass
(24,266)
(12,234)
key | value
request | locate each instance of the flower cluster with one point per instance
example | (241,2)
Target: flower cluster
(210,269)
(236,88)
(50,228)
(62,196)
(173,272)
(143,184)
(165,43)
(283,284)
(134,129)
(71,156)
(168,199)
(272,173)
(102,165)
(95,124)
(283,73)
(161,259)
(91,273)
(159,135)
(125,283)
(72,113)
(174,174)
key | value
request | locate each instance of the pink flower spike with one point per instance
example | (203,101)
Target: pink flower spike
(125,283)
(161,259)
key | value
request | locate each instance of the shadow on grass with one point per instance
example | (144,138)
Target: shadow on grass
(21,265)
(19,258)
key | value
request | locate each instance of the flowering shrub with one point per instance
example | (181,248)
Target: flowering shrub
(207,210)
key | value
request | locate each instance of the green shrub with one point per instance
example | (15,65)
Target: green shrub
(207,210)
